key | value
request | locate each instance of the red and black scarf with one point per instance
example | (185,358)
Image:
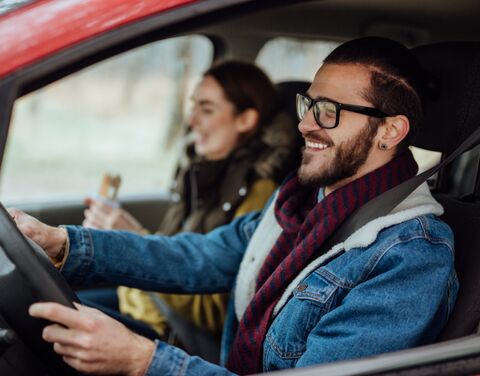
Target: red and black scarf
(306,224)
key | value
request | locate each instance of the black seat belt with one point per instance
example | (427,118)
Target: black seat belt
(387,201)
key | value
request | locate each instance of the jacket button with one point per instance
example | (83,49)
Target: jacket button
(302,287)
(226,206)
(242,191)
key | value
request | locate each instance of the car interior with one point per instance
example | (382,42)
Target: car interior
(444,37)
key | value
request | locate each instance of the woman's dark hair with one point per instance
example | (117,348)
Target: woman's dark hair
(397,82)
(246,86)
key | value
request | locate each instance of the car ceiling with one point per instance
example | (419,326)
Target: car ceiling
(412,22)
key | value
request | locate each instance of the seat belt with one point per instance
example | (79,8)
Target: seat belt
(387,201)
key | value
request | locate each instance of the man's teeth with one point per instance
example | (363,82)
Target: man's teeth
(316,145)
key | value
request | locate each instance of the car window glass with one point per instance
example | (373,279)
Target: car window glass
(300,58)
(123,116)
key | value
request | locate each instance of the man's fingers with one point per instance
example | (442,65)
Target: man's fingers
(82,308)
(74,352)
(69,317)
(68,338)
(14,212)
(91,312)
(23,221)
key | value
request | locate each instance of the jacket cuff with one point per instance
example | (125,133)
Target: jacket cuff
(79,262)
(167,360)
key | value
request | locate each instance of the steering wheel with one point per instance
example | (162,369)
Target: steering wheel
(28,276)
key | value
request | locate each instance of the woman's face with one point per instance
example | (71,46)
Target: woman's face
(215,125)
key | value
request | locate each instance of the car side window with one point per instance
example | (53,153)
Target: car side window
(300,58)
(124,116)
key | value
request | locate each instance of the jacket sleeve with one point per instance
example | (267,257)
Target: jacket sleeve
(184,263)
(208,311)
(170,360)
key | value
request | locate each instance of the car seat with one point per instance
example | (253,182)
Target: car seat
(452,114)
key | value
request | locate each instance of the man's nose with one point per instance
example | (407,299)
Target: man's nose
(308,123)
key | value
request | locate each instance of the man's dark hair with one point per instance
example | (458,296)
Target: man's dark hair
(246,86)
(397,86)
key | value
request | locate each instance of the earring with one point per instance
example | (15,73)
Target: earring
(383,146)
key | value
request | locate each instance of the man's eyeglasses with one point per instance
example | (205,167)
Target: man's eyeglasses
(327,113)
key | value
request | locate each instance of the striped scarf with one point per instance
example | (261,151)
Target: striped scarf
(306,224)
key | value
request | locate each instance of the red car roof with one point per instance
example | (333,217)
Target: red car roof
(47,26)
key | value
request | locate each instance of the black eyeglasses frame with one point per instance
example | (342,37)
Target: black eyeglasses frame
(369,111)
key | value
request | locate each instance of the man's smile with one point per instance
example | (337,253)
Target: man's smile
(316,145)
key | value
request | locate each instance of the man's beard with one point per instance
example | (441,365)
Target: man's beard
(349,156)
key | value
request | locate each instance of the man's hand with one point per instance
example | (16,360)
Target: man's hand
(101,215)
(50,238)
(92,342)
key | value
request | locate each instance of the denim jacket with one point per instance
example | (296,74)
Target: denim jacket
(391,285)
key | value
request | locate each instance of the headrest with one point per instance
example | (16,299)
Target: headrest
(288,91)
(452,110)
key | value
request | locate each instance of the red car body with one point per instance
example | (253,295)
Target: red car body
(49,26)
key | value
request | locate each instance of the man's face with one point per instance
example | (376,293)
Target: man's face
(332,157)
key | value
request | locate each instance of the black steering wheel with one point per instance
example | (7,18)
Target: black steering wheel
(27,276)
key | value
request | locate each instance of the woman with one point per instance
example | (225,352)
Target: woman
(243,146)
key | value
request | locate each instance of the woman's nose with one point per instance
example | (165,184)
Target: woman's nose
(192,120)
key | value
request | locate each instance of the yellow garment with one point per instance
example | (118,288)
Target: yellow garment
(204,311)
(138,305)
(260,192)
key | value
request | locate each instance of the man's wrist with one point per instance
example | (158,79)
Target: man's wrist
(141,359)
(61,244)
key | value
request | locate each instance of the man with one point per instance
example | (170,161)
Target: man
(389,286)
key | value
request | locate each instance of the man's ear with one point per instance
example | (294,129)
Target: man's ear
(247,121)
(394,130)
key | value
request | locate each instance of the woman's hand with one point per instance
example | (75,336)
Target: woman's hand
(51,239)
(92,342)
(101,215)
